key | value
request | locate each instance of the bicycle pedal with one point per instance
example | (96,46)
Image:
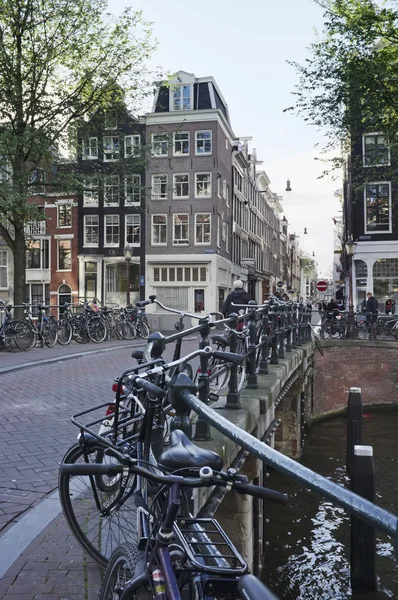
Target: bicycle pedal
(213,397)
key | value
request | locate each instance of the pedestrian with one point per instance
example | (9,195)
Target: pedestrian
(388,306)
(332,305)
(371,308)
(237,296)
(285,297)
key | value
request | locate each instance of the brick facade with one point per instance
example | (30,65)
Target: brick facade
(372,366)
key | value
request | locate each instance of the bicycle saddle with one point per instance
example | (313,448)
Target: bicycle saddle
(137,354)
(220,339)
(183,454)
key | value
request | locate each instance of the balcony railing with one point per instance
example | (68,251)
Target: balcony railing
(35,228)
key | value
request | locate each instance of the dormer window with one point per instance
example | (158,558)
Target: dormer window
(376,152)
(181,97)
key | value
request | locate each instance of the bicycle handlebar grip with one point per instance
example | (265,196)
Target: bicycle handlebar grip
(262,493)
(237,359)
(252,588)
(90,469)
(142,303)
(149,387)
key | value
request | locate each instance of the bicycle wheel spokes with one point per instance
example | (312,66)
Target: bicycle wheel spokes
(18,336)
(64,329)
(49,332)
(96,330)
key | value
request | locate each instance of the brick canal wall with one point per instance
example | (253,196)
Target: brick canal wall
(372,366)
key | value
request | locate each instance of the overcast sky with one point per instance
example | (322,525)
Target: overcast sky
(245,46)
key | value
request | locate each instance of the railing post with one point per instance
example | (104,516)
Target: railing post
(281,353)
(202,431)
(252,383)
(294,325)
(363,539)
(289,328)
(354,424)
(233,400)
(300,316)
(309,318)
(275,332)
(263,367)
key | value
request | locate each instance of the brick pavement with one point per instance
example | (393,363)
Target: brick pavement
(35,432)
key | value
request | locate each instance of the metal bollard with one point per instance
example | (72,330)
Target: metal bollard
(275,332)
(363,539)
(252,383)
(181,420)
(233,400)
(202,427)
(263,370)
(281,353)
(354,424)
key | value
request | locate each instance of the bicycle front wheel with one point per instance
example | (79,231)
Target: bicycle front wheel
(126,563)
(64,332)
(96,330)
(49,332)
(18,336)
(142,329)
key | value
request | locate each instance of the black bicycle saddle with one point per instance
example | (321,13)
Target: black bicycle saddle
(182,453)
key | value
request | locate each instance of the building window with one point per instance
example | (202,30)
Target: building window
(38,254)
(156,274)
(181,97)
(218,231)
(132,145)
(90,193)
(111,190)
(181,186)
(37,293)
(159,187)
(224,189)
(202,185)
(64,255)
(376,152)
(133,230)
(91,230)
(378,207)
(199,300)
(64,215)
(159,144)
(202,273)
(181,143)
(385,267)
(159,230)
(172,274)
(180,274)
(361,269)
(226,233)
(227,195)
(111,148)
(5,170)
(180,230)
(90,148)
(203,142)
(202,228)
(111,230)
(3,269)
(110,120)
(132,189)
(219,186)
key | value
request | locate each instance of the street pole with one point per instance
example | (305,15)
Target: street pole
(350,245)
(128,281)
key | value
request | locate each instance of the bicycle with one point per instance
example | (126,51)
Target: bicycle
(45,330)
(14,335)
(169,533)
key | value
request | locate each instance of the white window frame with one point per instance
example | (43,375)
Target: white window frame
(137,218)
(154,195)
(375,133)
(181,142)
(227,196)
(64,205)
(87,144)
(114,150)
(227,237)
(219,185)
(113,125)
(58,242)
(372,231)
(85,243)
(196,184)
(154,145)
(196,223)
(107,178)
(160,225)
(112,244)
(196,142)
(136,195)
(175,195)
(92,192)
(42,266)
(180,88)
(135,145)
(182,241)
(218,231)
(5,267)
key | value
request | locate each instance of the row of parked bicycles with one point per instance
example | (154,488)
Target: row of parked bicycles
(129,487)
(81,323)
(336,324)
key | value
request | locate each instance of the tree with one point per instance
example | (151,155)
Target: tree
(59,61)
(350,81)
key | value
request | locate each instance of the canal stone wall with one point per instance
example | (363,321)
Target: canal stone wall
(372,366)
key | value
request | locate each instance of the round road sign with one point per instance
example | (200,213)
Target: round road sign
(322,286)
(279,284)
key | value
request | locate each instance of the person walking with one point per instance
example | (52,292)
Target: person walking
(371,313)
(237,296)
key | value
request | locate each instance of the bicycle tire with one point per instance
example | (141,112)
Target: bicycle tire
(49,332)
(125,564)
(124,330)
(18,336)
(64,332)
(380,331)
(97,534)
(96,330)
(142,329)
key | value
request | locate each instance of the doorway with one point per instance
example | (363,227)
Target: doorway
(64,297)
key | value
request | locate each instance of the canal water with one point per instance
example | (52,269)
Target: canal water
(309,540)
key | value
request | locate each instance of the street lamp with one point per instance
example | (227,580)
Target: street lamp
(350,248)
(128,253)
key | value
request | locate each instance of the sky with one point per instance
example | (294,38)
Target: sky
(245,46)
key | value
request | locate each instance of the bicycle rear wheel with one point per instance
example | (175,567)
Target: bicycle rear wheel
(126,563)
(18,336)
(49,332)
(64,332)
(142,329)
(96,330)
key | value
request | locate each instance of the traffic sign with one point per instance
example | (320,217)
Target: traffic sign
(322,286)
(279,284)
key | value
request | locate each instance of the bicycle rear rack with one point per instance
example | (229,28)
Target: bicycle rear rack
(208,548)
